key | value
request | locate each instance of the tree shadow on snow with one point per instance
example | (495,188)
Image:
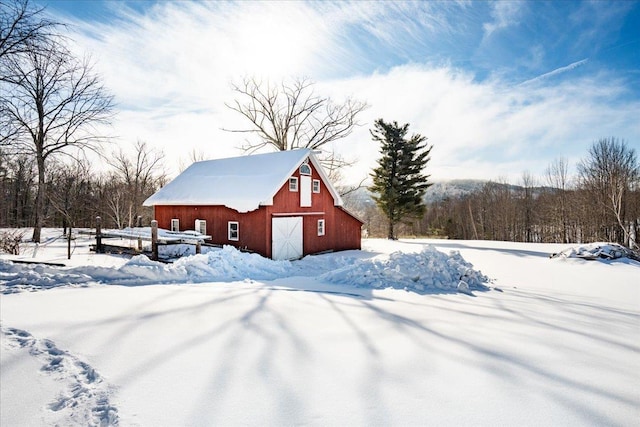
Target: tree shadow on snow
(459,246)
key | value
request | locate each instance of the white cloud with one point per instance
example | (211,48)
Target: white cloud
(489,130)
(192,50)
(504,14)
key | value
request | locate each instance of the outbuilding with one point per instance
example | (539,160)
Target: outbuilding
(280,205)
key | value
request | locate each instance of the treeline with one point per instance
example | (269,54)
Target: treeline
(543,214)
(77,191)
(600,203)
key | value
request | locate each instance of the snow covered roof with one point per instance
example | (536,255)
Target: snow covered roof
(242,183)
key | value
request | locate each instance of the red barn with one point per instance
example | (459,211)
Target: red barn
(280,205)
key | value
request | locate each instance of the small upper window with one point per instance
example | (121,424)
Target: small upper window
(305,169)
(234,230)
(293,183)
(175,224)
(316,185)
(321,227)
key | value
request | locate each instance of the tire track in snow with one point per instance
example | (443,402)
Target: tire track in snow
(85,399)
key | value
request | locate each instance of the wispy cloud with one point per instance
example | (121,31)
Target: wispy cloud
(504,14)
(556,72)
(490,129)
(596,22)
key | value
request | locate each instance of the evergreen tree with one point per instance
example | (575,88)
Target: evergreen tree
(398,182)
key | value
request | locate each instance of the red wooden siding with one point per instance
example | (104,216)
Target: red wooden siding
(342,230)
(252,233)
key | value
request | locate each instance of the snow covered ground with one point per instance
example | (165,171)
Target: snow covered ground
(383,336)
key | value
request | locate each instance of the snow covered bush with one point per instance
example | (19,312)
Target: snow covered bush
(10,241)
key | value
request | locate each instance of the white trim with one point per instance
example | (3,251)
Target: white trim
(321,227)
(305,163)
(305,191)
(316,182)
(175,224)
(296,213)
(230,231)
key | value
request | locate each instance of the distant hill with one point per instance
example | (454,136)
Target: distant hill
(439,190)
(454,188)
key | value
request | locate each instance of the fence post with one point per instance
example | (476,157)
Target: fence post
(154,240)
(98,235)
(198,247)
(69,243)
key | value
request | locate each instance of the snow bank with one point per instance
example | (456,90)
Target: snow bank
(225,265)
(19,277)
(597,250)
(425,272)
(428,271)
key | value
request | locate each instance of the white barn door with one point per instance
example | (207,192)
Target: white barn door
(305,191)
(286,238)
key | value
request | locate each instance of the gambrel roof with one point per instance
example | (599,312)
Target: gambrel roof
(242,183)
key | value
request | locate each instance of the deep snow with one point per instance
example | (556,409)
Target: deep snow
(379,336)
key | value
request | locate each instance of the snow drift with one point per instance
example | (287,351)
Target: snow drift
(426,272)
(598,250)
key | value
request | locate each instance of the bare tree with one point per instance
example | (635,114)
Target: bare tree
(20,25)
(51,103)
(17,177)
(610,173)
(291,115)
(194,156)
(136,178)
(557,178)
(526,207)
(70,197)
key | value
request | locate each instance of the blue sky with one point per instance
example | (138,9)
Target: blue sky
(498,88)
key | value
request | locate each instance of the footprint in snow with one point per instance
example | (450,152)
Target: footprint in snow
(85,399)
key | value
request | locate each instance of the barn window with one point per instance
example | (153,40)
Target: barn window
(175,224)
(293,184)
(234,230)
(316,185)
(305,169)
(321,227)
(201,226)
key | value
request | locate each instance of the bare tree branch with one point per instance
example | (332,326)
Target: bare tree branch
(139,176)
(20,24)
(609,174)
(291,115)
(51,103)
